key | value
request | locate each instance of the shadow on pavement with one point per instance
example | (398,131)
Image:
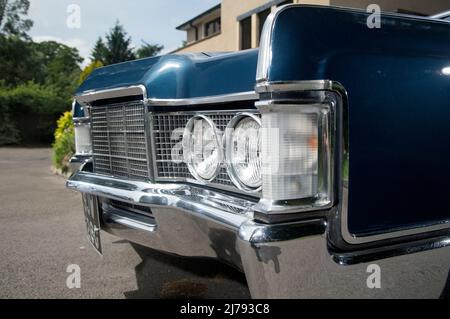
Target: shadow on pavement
(446,292)
(169,277)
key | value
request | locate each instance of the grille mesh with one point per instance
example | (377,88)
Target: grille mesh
(118,140)
(163,126)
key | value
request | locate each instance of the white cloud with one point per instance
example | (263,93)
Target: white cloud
(83,47)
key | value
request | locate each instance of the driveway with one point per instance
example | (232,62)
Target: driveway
(42,232)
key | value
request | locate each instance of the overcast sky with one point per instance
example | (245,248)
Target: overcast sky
(153,21)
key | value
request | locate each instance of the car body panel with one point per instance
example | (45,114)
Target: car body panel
(397,80)
(180,76)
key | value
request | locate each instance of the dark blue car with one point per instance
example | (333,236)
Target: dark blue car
(319,164)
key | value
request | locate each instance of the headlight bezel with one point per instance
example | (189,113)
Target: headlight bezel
(82,124)
(286,97)
(230,129)
(186,142)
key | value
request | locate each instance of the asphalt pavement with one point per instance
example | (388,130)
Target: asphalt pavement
(42,233)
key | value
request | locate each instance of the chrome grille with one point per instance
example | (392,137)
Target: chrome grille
(163,124)
(118,140)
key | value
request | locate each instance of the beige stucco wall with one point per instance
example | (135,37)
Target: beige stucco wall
(420,6)
(229,38)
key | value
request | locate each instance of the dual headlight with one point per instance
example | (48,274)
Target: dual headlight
(205,149)
(285,152)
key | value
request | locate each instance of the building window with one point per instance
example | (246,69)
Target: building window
(246,33)
(212,27)
(285,2)
(262,17)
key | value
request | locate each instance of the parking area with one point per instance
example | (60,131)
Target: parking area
(42,232)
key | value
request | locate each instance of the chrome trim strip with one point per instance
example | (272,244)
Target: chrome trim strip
(290,86)
(77,162)
(232,97)
(265,51)
(90,96)
(134,221)
(441,15)
(81,120)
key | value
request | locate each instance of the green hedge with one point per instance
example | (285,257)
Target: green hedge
(28,113)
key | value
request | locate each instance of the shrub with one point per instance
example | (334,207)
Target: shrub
(88,70)
(9,134)
(64,145)
(28,113)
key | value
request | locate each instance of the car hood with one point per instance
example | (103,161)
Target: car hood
(180,75)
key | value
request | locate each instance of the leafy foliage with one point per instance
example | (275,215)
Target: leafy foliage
(28,104)
(59,67)
(46,63)
(117,47)
(31,98)
(64,145)
(12,18)
(18,63)
(148,50)
(9,135)
(99,51)
(88,70)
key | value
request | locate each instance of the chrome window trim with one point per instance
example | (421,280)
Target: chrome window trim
(328,85)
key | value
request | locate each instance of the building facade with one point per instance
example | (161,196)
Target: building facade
(236,25)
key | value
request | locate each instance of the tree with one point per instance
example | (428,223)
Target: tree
(18,61)
(88,70)
(118,46)
(12,20)
(99,51)
(45,63)
(59,66)
(148,50)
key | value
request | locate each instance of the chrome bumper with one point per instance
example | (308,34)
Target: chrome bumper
(291,260)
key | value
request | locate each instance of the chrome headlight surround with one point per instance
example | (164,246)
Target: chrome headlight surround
(232,173)
(308,188)
(82,132)
(188,155)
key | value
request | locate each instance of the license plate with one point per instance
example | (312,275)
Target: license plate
(92,219)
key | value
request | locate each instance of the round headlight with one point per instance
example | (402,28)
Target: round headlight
(243,151)
(202,148)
